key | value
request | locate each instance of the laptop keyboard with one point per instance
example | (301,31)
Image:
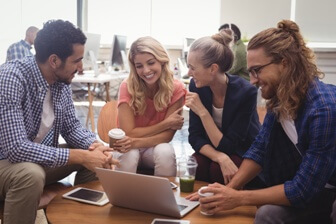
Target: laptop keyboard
(181,207)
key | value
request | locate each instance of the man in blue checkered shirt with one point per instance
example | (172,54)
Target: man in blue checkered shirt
(295,150)
(22,48)
(35,108)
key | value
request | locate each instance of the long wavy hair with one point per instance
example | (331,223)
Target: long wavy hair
(137,87)
(286,43)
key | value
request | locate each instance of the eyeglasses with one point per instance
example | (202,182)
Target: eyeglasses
(256,70)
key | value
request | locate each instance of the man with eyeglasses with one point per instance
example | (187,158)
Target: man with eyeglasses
(295,150)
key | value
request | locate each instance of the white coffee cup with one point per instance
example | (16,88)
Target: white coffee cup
(115,134)
(207,194)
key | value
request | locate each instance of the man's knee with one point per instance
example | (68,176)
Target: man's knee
(333,214)
(268,214)
(25,181)
(30,175)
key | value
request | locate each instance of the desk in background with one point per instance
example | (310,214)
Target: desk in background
(90,79)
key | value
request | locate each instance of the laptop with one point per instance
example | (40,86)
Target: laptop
(144,193)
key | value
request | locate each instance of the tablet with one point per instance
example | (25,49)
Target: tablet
(170,221)
(87,196)
(173,186)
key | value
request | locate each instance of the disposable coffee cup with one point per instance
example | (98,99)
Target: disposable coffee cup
(115,134)
(207,194)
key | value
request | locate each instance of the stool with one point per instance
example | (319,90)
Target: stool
(49,192)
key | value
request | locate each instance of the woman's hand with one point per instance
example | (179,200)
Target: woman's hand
(123,145)
(194,103)
(175,120)
(193,197)
(228,168)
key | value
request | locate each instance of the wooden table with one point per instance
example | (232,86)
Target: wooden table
(67,211)
(90,79)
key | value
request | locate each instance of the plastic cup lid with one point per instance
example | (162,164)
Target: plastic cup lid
(204,194)
(116,133)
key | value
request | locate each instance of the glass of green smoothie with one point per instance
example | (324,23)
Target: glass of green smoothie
(187,173)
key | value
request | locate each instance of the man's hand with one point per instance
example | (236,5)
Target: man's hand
(95,144)
(224,198)
(107,151)
(97,156)
(100,156)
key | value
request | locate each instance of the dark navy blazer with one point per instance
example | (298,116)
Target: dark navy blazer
(240,122)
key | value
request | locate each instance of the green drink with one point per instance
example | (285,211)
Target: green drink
(187,172)
(187,183)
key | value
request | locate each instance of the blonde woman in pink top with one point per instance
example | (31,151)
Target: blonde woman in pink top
(149,110)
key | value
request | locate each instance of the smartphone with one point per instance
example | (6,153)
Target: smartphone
(173,186)
(170,221)
(86,195)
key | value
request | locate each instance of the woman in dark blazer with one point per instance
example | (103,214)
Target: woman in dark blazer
(223,118)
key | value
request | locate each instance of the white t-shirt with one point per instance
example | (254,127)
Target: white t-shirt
(289,127)
(47,119)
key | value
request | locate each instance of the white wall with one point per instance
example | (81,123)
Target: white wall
(316,19)
(326,61)
(167,21)
(253,16)
(17,15)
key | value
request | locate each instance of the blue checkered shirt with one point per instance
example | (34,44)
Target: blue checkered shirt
(316,128)
(18,50)
(22,91)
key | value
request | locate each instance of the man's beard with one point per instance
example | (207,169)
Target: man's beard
(65,81)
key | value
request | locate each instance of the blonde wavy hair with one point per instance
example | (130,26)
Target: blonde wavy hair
(137,87)
(286,43)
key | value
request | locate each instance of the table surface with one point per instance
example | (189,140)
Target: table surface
(68,211)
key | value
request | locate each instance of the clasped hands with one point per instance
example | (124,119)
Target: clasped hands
(101,156)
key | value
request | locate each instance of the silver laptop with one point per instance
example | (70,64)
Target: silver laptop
(144,193)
